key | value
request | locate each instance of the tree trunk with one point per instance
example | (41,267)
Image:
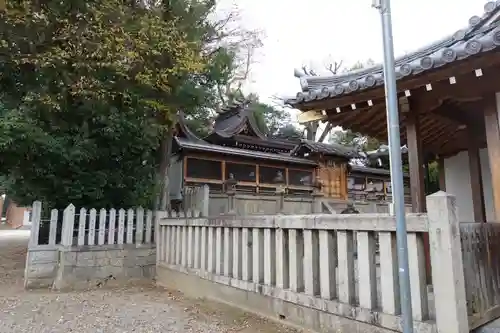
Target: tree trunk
(163,196)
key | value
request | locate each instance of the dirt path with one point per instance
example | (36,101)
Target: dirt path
(137,309)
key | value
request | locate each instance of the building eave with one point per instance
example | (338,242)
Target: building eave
(481,36)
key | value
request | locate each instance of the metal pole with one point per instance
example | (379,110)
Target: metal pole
(384,6)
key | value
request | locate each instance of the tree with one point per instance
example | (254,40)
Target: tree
(227,49)
(355,140)
(87,93)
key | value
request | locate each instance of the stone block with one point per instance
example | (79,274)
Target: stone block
(116,262)
(84,256)
(69,258)
(38,283)
(100,262)
(42,256)
(45,270)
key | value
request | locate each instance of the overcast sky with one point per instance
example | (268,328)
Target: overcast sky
(314,32)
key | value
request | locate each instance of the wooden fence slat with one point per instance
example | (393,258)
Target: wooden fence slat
(389,280)
(53,226)
(367,270)
(130,226)
(345,266)
(139,229)
(36,219)
(112,226)
(149,226)
(102,226)
(82,220)
(228,251)
(328,262)
(269,257)
(295,255)
(121,226)
(68,225)
(282,261)
(416,261)
(311,262)
(91,238)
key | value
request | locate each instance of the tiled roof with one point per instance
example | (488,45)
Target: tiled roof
(182,122)
(373,171)
(325,148)
(383,150)
(202,146)
(481,35)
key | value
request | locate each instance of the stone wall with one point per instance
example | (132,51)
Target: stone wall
(41,267)
(84,266)
(248,204)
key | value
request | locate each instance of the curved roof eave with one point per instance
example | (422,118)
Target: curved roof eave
(482,35)
(185,129)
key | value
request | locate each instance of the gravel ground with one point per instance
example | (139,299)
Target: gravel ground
(113,309)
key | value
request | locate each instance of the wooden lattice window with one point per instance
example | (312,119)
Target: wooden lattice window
(203,169)
(375,184)
(300,177)
(241,172)
(270,175)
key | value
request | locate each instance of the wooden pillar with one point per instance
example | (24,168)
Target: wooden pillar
(415,159)
(442,178)
(476,179)
(493,142)
(417,187)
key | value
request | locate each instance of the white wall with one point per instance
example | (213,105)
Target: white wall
(457,178)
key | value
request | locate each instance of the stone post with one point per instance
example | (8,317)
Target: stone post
(447,265)
(317,196)
(205,197)
(68,226)
(280,199)
(36,212)
(230,187)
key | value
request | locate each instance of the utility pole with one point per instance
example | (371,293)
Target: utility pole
(391,101)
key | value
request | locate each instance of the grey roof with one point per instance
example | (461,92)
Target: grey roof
(383,150)
(373,171)
(481,35)
(232,119)
(182,122)
(325,148)
(199,146)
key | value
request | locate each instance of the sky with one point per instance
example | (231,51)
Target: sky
(317,32)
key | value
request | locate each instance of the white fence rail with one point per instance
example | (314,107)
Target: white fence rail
(313,261)
(71,227)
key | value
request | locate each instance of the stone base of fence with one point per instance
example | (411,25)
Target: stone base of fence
(85,266)
(285,306)
(41,267)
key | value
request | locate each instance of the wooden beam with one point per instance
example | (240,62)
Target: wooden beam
(476,179)
(310,116)
(416,162)
(327,130)
(493,145)
(442,174)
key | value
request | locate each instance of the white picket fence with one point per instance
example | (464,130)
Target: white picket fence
(91,226)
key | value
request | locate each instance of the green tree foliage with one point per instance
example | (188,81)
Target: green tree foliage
(274,121)
(88,88)
(355,140)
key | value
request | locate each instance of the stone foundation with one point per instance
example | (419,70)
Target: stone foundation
(88,266)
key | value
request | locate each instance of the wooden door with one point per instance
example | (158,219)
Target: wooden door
(334,181)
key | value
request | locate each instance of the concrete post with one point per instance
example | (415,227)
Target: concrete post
(206,201)
(231,209)
(280,191)
(447,265)
(317,203)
